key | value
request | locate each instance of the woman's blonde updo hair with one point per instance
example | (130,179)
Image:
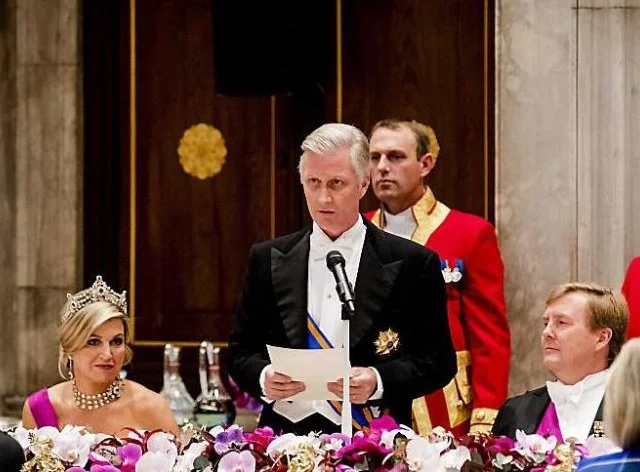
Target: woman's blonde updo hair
(75,329)
(622,399)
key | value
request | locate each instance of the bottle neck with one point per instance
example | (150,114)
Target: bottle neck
(214,376)
(173,370)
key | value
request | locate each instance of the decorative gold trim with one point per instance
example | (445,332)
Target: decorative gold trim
(421,418)
(339,61)
(272,170)
(456,399)
(429,214)
(458,406)
(483,416)
(132,169)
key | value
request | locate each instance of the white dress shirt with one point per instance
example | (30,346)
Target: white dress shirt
(402,224)
(578,404)
(323,304)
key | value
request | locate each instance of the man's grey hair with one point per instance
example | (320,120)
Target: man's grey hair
(333,136)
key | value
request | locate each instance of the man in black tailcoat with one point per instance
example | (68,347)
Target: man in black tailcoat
(400,346)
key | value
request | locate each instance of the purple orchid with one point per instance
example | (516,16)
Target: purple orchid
(227,439)
(237,462)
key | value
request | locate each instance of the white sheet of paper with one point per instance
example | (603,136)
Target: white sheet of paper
(314,367)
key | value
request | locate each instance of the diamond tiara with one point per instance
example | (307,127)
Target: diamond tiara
(98,292)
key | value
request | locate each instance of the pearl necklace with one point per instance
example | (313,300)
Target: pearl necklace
(93,401)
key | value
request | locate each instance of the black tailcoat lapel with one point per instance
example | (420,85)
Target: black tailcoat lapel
(289,278)
(373,284)
(522,412)
(532,413)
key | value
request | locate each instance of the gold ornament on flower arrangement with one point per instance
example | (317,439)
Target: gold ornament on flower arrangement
(567,457)
(45,460)
(202,151)
(303,459)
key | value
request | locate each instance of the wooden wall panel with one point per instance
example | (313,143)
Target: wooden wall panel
(429,61)
(192,235)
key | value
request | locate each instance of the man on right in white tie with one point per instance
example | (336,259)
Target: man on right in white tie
(584,328)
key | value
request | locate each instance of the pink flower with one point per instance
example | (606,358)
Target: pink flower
(384,423)
(363,445)
(130,455)
(237,462)
(261,438)
(502,444)
(100,468)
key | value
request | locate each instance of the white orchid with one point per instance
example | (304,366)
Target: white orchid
(422,456)
(534,446)
(154,462)
(455,458)
(388,437)
(286,444)
(441,438)
(188,456)
(72,444)
(162,443)
(23,436)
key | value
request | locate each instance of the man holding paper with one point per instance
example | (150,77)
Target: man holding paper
(289,300)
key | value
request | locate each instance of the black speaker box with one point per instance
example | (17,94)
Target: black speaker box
(270,47)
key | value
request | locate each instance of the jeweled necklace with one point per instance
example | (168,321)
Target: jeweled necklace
(93,401)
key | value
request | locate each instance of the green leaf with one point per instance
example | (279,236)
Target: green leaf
(201,463)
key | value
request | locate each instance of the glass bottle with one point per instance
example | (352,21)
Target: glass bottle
(214,405)
(173,388)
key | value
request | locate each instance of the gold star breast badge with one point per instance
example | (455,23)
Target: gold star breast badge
(387,342)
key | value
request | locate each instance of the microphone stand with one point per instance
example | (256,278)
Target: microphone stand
(347,426)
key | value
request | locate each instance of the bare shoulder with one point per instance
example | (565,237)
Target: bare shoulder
(151,409)
(59,391)
(143,398)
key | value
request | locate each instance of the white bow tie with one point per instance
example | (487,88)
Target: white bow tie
(561,394)
(319,250)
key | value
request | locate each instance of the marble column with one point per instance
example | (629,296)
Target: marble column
(42,154)
(567,114)
(8,113)
(608,138)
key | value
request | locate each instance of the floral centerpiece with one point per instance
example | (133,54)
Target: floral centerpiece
(385,446)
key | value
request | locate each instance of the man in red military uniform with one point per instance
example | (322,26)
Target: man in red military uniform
(631,291)
(402,155)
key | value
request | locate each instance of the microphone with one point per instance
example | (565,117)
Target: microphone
(335,263)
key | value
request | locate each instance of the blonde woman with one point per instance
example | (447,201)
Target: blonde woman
(93,347)
(621,414)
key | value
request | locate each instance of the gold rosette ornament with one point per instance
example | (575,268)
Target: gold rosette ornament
(387,342)
(202,151)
